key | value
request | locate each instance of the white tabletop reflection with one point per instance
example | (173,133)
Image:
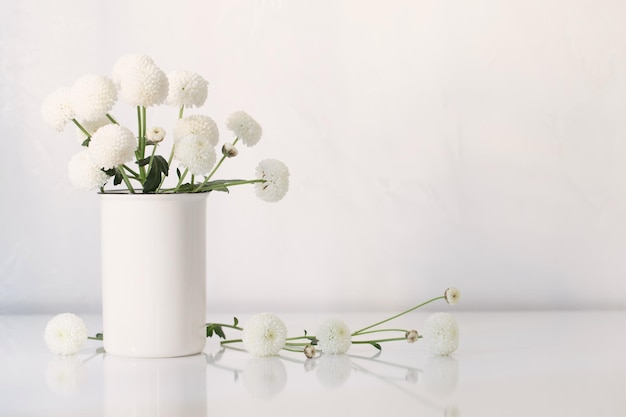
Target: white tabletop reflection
(508,364)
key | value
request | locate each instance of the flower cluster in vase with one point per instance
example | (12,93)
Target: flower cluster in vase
(265,334)
(113,153)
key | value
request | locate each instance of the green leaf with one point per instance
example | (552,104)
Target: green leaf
(376,345)
(235,321)
(178,173)
(118,177)
(220,332)
(86,142)
(153,179)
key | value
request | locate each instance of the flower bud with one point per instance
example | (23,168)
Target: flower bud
(155,134)
(309,351)
(411,336)
(452,295)
(229,150)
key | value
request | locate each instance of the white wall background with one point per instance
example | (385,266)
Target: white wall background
(480,144)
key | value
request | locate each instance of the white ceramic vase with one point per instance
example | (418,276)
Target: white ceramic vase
(153,274)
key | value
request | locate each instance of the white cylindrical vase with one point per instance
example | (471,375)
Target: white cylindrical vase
(153,274)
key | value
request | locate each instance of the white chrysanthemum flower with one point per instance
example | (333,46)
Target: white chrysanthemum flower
(84,174)
(264,334)
(452,295)
(155,134)
(186,88)
(56,109)
(198,125)
(441,375)
(141,82)
(334,336)
(92,96)
(112,145)
(195,153)
(125,64)
(441,333)
(90,126)
(276,176)
(65,334)
(245,128)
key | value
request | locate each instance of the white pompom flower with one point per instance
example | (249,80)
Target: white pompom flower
(264,334)
(245,128)
(186,88)
(141,81)
(125,64)
(195,153)
(199,125)
(92,96)
(112,145)
(276,180)
(56,109)
(452,295)
(334,336)
(65,334)
(84,174)
(441,333)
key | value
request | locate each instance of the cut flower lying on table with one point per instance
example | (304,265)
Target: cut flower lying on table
(113,153)
(265,334)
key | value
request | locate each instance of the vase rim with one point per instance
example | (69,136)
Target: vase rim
(118,193)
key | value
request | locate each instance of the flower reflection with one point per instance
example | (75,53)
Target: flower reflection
(65,374)
(440,375)
(333,370)
(264,377)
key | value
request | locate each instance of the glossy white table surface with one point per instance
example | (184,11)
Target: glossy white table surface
(508,364)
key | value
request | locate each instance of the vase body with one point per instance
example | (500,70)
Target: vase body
(153,274)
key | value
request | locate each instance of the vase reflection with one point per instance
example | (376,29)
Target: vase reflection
(155,387)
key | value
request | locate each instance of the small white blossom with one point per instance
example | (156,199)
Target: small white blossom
(92,96)
(90,126)
(310,351)
(245,128)
(264,334)
(198,125)
(186,88)
(276,176)
(56,109)
(141,82)
(334,336)
(441,333)
(112,145)
(84,174)
(452,295)
(65,334)
(155,134)
(195,153)
(229,150)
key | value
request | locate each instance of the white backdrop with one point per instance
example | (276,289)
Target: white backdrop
(431,143)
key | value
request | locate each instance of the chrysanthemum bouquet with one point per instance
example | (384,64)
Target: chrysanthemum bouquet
(113,153)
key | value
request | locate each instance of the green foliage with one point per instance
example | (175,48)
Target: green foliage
(158,167)
(213,328)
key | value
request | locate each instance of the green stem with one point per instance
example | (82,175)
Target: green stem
(82,129)
(228,184)
(111,119)
(180,180)
(126,180)
(225,342)
(230,326)
(180,112)
(391,339)
(397,315)
(380,331)
(135,174)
